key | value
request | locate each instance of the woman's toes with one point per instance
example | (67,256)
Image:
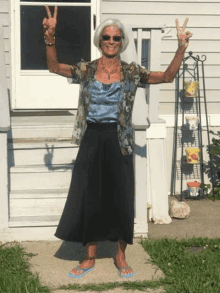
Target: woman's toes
(76,272)
(129,271)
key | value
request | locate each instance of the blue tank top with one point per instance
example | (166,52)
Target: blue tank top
(104,100)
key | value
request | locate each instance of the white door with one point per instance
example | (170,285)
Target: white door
(33,86)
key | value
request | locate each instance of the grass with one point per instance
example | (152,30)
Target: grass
(187,271)
(190,266)
(15,276)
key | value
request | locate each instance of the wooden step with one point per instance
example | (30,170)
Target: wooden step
(30,127)
(42,153)
(37,202)
(39,193)
(34,221)
(40,177)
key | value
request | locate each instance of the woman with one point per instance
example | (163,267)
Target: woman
(100,203)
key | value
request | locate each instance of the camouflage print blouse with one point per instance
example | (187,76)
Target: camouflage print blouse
(132,76)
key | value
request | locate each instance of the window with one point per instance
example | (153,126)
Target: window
(73,36)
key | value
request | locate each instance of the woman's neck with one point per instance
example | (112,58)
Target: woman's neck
(109,62)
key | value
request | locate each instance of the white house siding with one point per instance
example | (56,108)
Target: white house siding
(204,23)
(5,22)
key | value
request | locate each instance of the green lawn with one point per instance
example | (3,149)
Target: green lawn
(15,276)
(190,266)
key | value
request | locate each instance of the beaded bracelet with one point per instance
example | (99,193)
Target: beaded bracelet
(49,44)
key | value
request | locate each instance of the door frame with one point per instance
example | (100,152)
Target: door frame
(15,45)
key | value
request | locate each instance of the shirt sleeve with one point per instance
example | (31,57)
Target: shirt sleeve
(144,76)
(77,73)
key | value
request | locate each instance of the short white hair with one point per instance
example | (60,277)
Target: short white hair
(104,24)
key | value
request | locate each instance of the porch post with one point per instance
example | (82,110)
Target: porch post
(140,124)
(4,127)
(157,173)
(3,181)
(156,148)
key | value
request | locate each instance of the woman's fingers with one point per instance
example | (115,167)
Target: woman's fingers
(177,25)
(49,24)
(55,13)
(48,11)
(188,34)
(44,22)
(185,23)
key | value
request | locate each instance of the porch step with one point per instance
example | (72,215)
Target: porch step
(41,160)
(34,221)
(37,202)
(40,193)
(41,127)
(26,153)
(37,177)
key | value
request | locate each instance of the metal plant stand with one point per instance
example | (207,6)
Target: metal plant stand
(183,137)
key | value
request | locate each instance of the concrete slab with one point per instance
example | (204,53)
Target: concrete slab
(203,221)
(54,259)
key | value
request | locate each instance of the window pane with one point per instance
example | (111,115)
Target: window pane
(73,39)
(145,49)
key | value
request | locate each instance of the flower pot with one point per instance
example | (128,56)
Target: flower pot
(192,155)
(192,123)
(194,188)
(191,88)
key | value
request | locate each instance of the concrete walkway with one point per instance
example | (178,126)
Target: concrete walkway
(203,221)
(54,259)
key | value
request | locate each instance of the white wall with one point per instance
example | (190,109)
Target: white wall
(204,23)
(5,21)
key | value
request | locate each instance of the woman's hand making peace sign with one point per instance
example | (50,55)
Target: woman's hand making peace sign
(183,37)
(49,24)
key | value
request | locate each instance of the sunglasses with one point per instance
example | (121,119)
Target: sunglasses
(115,38)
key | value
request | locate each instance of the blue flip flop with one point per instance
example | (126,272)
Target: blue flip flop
(125,275)
(85,271)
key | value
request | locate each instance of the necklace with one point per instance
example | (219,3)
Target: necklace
(108,72)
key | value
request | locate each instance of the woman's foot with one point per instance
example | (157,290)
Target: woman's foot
(120,262)
(85,264)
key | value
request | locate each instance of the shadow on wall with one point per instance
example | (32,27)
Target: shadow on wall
(48,158)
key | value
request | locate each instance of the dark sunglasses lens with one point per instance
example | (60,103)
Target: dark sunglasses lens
(117,39)
(105,38)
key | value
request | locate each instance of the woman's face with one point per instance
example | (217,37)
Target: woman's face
(111,47)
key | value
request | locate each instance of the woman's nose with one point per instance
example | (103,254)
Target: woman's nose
(111,41)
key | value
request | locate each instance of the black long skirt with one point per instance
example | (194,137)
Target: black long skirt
(100,202)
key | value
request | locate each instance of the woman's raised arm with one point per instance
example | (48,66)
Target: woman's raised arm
(49,27)
(170,73)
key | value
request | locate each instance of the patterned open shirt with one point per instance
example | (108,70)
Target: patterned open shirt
(132,76)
